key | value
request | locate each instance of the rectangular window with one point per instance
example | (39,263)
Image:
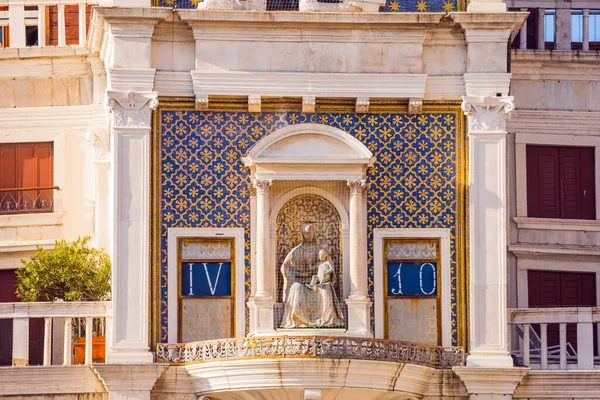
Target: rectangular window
(206,289)
(549,28)
(26,178)
(576,29)
(547,289)
(561,182)
(594,30)
(411,294)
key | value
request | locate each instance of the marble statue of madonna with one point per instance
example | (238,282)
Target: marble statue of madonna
(309,292)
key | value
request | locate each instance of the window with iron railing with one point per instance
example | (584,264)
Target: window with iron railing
(26,178)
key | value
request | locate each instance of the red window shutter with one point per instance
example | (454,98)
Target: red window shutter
(588,183)
(45,170)
(26,166)
(8,166)
(543,190)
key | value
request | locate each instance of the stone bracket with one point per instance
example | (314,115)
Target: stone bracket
(491,382)
(362,105)
(415,106)
(202,102)
(309,104)
(254,103)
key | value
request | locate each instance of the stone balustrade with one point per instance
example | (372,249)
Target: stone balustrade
(534,349)
(18,15)
(311,347)
(21,313)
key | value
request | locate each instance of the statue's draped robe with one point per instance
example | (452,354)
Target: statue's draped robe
(305,307)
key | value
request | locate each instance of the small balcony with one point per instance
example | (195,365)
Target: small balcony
(27,200)
(555,338)
(42,24)
(28,331)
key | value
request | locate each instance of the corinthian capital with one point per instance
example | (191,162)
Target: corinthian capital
(131,109)
(357,186)
(262,186)
(487,114)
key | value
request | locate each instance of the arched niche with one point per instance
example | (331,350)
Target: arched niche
(293,161)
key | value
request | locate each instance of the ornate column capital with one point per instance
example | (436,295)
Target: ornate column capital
(487,114)
(262,186)
(131,109)
(357,186)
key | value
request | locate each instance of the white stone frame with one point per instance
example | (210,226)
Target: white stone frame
(521,142)
(525,264)
(344,219)
(379,234)
(172,279)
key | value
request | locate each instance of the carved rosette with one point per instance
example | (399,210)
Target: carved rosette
(262,186)
(358,186)
(487,114)
(131,110)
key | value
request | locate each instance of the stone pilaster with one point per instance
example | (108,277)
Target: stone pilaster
(487,227)
(130,159)
(262,303)
(358,302)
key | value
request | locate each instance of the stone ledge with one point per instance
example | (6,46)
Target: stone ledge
(37,219)
(558,224)
(56,379)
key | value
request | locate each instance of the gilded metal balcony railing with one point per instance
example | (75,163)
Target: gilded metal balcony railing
(27,200)
(311,347)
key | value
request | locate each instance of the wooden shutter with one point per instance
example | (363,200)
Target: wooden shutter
(561,182)
(543,190)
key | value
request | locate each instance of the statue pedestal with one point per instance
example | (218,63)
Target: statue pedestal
(359,317)
(261,316)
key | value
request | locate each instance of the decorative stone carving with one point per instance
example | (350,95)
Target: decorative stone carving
(262,186)
(309,104)
(326,347)
(487,114)
(97,137)
(205,251)
(357,187)
(254,103)
(362,105)
(131,110)
(415,106)
(412,251)
(202,102)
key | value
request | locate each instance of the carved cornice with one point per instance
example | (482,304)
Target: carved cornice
(487,114)
(131,109)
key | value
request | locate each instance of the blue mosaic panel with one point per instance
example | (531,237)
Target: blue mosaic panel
(390,6)
(412,184)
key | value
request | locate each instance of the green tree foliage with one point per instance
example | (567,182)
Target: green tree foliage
(72,272)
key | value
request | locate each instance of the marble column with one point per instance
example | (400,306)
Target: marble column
(262,303)
(585,40)
(130,145)
(523,33)
(541,43)
(488,230)
(358,302)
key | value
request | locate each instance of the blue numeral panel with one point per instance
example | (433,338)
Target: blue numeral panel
(412,278)
(206,279)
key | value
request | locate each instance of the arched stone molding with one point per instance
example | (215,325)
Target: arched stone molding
(298,152)
(308,152)
(344,218)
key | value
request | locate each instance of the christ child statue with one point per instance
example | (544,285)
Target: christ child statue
(324,271)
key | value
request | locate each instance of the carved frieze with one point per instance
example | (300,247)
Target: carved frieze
(131,109)
(411,251)
(487,114)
